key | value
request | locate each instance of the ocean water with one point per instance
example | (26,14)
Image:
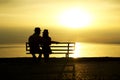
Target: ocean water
(81,50)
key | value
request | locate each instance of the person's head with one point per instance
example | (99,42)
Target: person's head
(37,30)
(45,33)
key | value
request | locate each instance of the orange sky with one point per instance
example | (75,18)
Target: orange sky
(19,17)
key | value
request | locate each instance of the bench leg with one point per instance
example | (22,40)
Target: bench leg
(39,57)
(67,55)
(34,57)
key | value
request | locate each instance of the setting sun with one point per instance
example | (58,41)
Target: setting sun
(75,18)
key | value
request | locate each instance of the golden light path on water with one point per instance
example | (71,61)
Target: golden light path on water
(95,50)
(77,50)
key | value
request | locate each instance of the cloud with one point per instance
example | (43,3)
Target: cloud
(4,1)
(115,1)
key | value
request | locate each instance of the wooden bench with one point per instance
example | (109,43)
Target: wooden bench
(59,48)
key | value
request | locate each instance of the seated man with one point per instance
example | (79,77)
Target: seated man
(34,41)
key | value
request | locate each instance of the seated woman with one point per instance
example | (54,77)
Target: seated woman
(46,42)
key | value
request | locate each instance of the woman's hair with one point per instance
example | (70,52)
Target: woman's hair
(45,33)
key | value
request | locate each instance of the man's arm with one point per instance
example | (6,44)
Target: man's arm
(55,42)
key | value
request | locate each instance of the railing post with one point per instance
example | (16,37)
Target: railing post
(67,55)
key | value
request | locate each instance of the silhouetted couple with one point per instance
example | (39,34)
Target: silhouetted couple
(35,41)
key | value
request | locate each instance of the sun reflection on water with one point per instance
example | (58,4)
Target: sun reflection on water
(77,50)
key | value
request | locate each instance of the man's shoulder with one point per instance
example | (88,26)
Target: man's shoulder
(49,37)
(31,36)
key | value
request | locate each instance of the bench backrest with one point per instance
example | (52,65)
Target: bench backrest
(59,48)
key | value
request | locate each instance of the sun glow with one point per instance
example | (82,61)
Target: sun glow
(75,18)
(77,50)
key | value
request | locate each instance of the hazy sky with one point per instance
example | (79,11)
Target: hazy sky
(19,17)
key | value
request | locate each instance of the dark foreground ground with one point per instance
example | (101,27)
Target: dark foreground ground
(57,69)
